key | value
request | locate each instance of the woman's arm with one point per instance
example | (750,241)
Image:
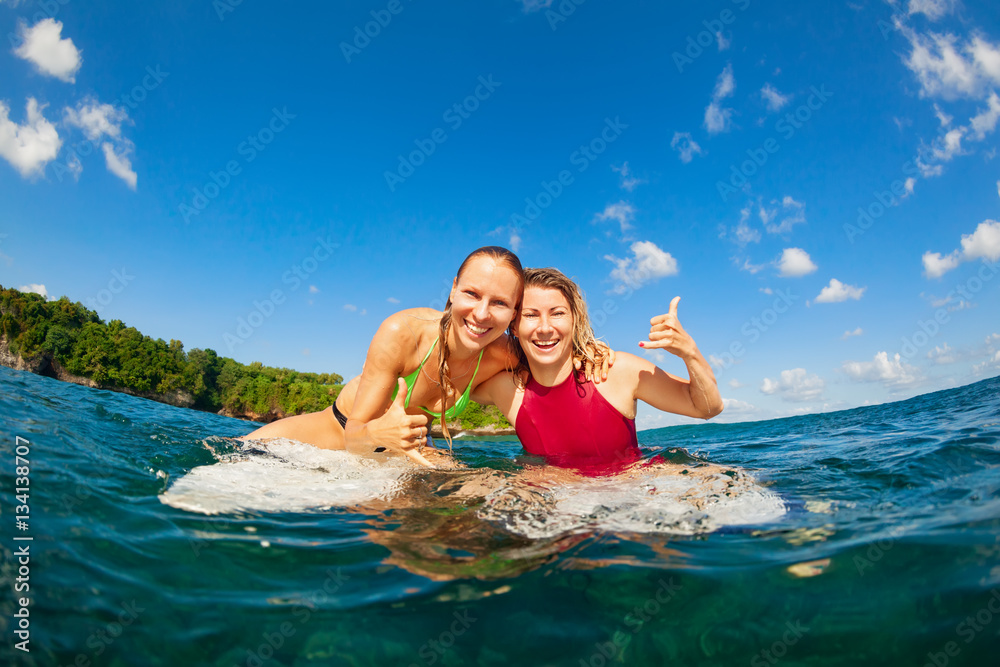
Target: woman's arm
(370,425)
(696,397)
(500,391)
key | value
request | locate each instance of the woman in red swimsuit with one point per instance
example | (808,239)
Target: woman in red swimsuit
(570,421)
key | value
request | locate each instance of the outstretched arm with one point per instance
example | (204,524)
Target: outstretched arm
(696,397)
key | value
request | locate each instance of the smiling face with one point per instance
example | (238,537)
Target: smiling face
(545,327)
(484,300)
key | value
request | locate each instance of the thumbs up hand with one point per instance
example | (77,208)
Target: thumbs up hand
(400,432)
(666,333)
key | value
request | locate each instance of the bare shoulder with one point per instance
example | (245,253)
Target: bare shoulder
(410,326)
(630,364)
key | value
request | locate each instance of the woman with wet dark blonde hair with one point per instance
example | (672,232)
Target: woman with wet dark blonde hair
(565,418)
(418,361)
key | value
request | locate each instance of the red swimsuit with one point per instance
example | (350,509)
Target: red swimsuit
(573,426)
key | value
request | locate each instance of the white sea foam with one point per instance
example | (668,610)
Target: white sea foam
(655,501)
(285,476)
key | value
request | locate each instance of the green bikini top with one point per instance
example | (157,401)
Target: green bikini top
(463,400)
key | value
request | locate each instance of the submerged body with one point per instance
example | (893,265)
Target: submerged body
(573,425)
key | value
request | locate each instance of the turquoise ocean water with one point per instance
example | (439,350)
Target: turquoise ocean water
(870,536)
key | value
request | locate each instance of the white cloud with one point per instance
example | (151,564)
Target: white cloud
(795,263)
(515,240)
(774,99)
(742,233)
(119,164)
(837,291)
(848,334)
(648,262)
(943,354)
(622,213)
(723,42)
(752,268)
(724,85)
(948,69)
(350,307)
(658,356)
(685,146)
(630,182)
(746,234)
(96,119)
(736,406)
(936,265)
(984,243)
(986,121)
(43,46)
(313,289)
(718,119)
(75,166)
(392,299)
(942,117)
(736,384)
(890,372)
(790,212)
(992,363)
(35,288)
(949,146)
(933,9)
(795,385)
(31,146)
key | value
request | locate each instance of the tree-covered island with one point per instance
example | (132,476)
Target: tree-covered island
(69,342)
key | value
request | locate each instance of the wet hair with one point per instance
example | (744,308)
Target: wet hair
(501,255)
(584,340)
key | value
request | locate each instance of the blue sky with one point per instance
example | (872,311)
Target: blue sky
(818,181)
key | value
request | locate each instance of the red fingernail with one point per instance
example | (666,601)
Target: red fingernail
(642,345)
